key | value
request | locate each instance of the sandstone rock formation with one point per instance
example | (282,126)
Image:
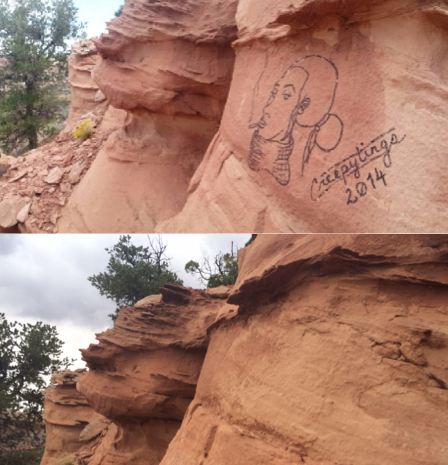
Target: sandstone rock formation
(337,354)
(66,414)
(336,121)
(329,350)
(169,65)
(85,94)
(333,118)
(143,374)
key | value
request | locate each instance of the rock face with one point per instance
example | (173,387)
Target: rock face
(168,64)
(231,116)
(337,354)
(329,350)
(66,414)
(85,94)
(319,132)
(143,375)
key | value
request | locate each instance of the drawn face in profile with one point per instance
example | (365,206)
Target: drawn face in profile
(276,122)
(302,97)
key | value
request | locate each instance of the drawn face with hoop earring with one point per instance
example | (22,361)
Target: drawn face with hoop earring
(297,99)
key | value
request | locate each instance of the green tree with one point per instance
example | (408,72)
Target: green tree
(34,48)
(119,12)
(28,354)
(134,272)
(221,270)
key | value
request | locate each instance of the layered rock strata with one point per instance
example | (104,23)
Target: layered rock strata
(85,94)
(168,64)
(336,121)
(66,414)
(143,374)
(337,354)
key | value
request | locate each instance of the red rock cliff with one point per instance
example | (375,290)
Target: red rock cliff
(337,355)
(66,414)
(143,374)
(169,65)
(336,121)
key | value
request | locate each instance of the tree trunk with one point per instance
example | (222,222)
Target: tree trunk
(31,130)
(32,138)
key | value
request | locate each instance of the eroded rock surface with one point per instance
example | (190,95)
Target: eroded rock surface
(337,355)
(168,64)
(85,94)
(66,414)
(336,121)
(143,375)
(237,116)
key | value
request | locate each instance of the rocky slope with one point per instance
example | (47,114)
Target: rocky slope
(36,186)
(337,355)
(66,414)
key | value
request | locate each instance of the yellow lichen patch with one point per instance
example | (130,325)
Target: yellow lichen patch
(84,130)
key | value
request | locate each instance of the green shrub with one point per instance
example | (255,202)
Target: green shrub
(29,457)
(84,130)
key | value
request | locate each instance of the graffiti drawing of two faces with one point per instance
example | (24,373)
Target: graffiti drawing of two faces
(303,97)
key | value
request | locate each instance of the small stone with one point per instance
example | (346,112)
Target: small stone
(65,187)
(9,209)
(43,172)
(75,172)
(18,176)
(54,176)
(54,218)
(99,97)
(23,214)
(51,190)
(62,201)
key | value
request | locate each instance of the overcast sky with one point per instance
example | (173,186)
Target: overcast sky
(95,14)
(44,278)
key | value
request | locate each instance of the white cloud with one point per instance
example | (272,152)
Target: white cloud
(95,14)
(44,278)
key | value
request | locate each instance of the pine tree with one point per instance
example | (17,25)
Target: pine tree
(34,48)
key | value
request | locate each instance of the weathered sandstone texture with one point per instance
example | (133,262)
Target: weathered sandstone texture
(242,116)
(336,121)
(66,414)
(85,94)
(337,355)
(143,374)
(168,64)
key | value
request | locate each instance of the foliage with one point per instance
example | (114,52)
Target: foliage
(119,12)
(134,272)
(29,457)
(84,130)
(33,69)
(249,242)
(28,354)
(221,270)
